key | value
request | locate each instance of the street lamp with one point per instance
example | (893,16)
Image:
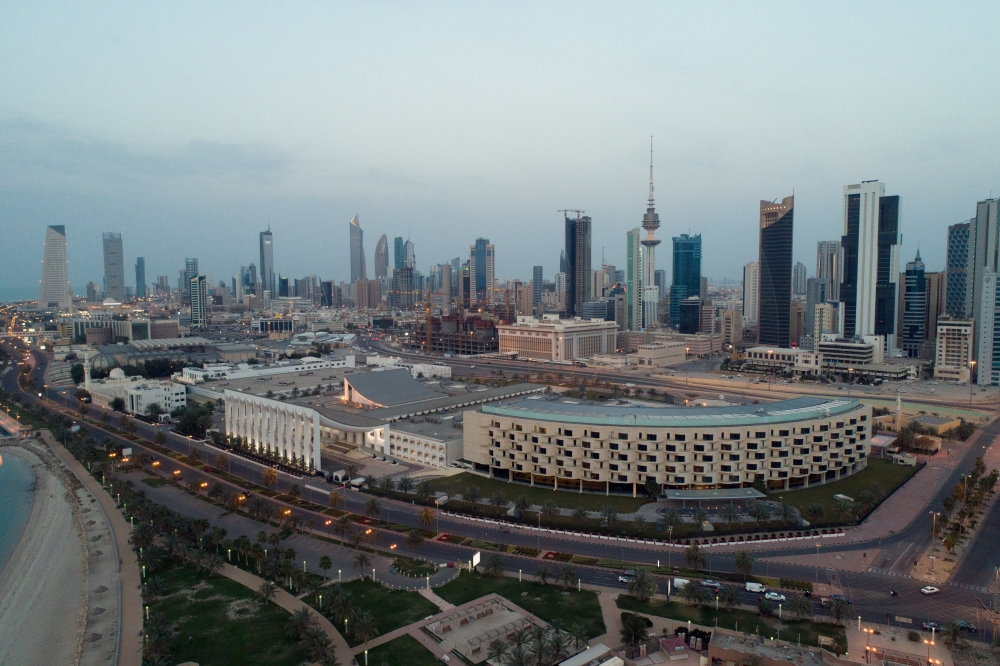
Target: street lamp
(972,370)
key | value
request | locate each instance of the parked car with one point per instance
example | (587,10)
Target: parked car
(966,626)
(834,597)
(713,584)
(774,596)
(929,590)
(928,626)
(625,578)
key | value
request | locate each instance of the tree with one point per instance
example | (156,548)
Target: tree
(222,461)
(269,478)
(727,595)
(266,591)
(543,573)
(693,593)
(299,622)
(765,608)
(730,514)
(567,574)
(325,564)
(634,629)
(317,646)
(670,517)
(803,608)
(642,587)
(414,538)
(472,495)
(522,504)
(118,404)
(652,488)
(405,485)
(493,565)
(153,411)
(700,517)
(294,491)
(335,499)
(744,563)
(815,512)
(694,557)
(425,490)
(364,627)
(760,511)
(426,517)
(580,512)
(343,526)
(609,517)
(160,438)
(549,510)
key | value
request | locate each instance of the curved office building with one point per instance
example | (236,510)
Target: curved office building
(580,446)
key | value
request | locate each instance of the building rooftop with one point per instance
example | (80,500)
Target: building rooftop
(785,411)
(716,494)
(391,388)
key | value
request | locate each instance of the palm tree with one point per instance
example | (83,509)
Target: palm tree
(317,646)
(845,509)
(373,508)
(639,524)
(299,622)
(803,608)
(549,509)
(953,634)
(343,526)
(700,517)
(266,591)
(387,485)
(270,478)
(426,517)
(633,629)
(142,535)
(425,490)
(580,513)
(364,628)
(522,504)
(325,564)
(730,514)
(670,517)
(405,485)
(414,538)
(567,574)
(643,586)
(694,556)
(499,501)
(341,605)
(727,595)
(765,608)
(692,593)
(362,560)
(838,609)
(787,513)
(335,499)
(222,461)
(744,563)
(543,573)
(472,495)
(759,511)
(609,517)
(815,512)
(498,650)
(493,565)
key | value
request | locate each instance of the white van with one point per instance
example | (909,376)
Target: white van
(680,583)
(756,587)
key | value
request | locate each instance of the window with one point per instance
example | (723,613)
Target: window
(803,431)
(650,437)
(613,467)
(734,456)
(699,468)
(680,438)
(622,456)
(760,435)
(595,435)
(726,468)
(699,447)
(613,446)
(727,447)
(559,442)
(775,445)
(775,464)
(641,468)
(706,479)
(679,458)
(734,435)
(670,447)
(534,440)
(798,441)
(708,437)
(707,458)
(678,479)
(759,456)
(751,445)
(824,428)
(751,466)
(623,435)
(643,447)
(782,433)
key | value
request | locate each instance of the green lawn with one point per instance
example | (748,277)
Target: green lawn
(545,601)
(392,608)
(805,631)
(217,622)
(403,651)
(884,473)
(564,499)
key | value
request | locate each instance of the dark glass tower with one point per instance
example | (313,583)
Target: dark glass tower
(577,264)
(686,273)
(913,331)
(775,301)
(140,277)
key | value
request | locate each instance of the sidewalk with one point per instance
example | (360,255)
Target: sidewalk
(130,639)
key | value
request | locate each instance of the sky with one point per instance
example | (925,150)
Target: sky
(190,127)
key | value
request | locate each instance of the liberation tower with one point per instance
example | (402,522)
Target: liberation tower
(650,222)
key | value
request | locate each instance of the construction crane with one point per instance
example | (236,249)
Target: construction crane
(571,210)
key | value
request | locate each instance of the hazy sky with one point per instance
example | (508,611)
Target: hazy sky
(189,127)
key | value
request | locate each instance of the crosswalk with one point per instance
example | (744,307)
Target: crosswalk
(897,574)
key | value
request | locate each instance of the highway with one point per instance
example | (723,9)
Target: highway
(869,591)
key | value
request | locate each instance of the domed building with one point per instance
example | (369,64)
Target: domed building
(103,361)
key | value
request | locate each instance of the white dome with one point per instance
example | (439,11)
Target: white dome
(117,373)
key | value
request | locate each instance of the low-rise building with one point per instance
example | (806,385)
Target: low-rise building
(660,354)
(137,393)
(953,353)
(553,339)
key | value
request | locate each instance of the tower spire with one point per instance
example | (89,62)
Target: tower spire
(650,172)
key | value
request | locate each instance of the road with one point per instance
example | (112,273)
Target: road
(869,591)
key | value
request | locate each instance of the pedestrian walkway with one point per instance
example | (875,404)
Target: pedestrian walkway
(130,638)
(436,600)
(612,618)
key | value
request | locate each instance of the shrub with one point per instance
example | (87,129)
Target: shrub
(912,635)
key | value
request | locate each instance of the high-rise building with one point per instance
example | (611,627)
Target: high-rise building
(935,302)
(660,279)
(266,261)
(560,284)
(633,280)
(799,277)
(198,288)
(410,260)
(114,267)
(140,277)
(358,270)
(55,291)
(577,264)
(817,292)
(829,264)
(988,332)
(190,271)
(481,272)
(913,331)
(751,292)
(536,286)
(650,223)
(984,253)
(776,226)
(958,296)
(398,253)
(686,278)
(382,258)
(93,292)
(871,261)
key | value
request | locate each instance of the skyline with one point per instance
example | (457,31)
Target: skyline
(178,168)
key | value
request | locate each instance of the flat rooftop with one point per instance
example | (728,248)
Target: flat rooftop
(714,494)
(588,413)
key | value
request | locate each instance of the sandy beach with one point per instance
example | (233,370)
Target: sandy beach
(43,586)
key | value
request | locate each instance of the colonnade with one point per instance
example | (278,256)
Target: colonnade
(265,423)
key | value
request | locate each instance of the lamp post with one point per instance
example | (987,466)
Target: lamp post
(972,371)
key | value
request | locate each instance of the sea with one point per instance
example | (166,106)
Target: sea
(17,485)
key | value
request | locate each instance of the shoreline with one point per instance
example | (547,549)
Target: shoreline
(15,452)
(43,584)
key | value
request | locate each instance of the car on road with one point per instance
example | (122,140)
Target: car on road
(930,589)
(834,597)
(713,584)
(928,626)
(966,626)
(625,578)
(774,596)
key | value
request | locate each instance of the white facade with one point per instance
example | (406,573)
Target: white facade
(425,449)
(660,354)
(553,339)
(55,291)
(751,292)
(953,351)
(292,430)
(138,393)
(988,339)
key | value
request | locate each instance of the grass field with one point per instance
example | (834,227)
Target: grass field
(392,608)
(403,651)
(884,473)
(545,601)
(218,622)
(805,631)
(563,499)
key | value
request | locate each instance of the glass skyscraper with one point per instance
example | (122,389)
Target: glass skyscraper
(686,273)
(775,301)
